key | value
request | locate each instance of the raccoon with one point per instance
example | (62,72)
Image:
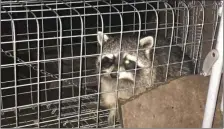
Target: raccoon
(132,69)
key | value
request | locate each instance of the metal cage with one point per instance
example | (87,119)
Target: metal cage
(48,52)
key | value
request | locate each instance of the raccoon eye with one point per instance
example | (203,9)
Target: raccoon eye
(106,62)
(129,65)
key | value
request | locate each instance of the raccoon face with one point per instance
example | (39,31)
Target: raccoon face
(124,68)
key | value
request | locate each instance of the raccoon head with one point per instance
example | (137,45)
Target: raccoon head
(130,60)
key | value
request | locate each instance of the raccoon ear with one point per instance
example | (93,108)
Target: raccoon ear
(101,37)
(147,43)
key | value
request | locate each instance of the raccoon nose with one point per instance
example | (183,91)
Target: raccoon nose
(113,75)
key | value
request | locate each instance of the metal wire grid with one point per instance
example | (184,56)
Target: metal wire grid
(35,32)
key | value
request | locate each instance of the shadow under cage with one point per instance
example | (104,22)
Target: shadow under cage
(49,51)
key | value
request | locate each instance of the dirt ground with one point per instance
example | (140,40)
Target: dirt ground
(178,104)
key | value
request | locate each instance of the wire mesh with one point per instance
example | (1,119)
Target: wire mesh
(49,49)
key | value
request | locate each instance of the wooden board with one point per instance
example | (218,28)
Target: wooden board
(178,104)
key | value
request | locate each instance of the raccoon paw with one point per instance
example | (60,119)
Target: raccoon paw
(111,120)
(112,117)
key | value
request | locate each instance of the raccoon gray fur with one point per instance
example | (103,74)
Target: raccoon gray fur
(128,81)
(175,67)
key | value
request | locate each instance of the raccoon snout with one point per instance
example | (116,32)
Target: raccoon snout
(113,75)
(123,76)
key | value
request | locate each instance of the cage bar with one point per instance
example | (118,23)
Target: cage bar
(49,51)
(215,78)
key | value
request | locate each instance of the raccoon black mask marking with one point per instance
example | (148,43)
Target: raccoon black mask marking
(113,63)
